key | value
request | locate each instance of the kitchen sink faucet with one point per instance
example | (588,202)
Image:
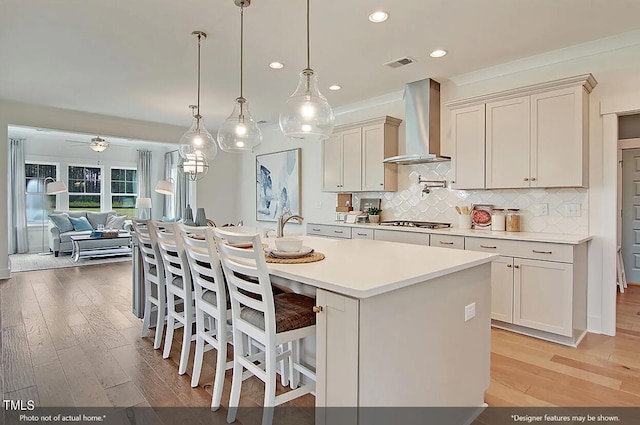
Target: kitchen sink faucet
(282,221)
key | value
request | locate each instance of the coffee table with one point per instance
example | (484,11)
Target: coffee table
(82,248)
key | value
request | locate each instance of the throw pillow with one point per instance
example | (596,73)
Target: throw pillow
(96,218)
(115,222)
(62,222)
(80,224)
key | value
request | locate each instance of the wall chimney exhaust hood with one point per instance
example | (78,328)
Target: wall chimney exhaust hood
(422,124)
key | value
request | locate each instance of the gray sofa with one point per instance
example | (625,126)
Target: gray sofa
(60,241)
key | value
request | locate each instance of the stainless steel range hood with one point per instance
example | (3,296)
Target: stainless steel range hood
(422,124)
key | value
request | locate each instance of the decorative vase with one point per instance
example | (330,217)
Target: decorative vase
(201,217)
(187,217)
(374,218)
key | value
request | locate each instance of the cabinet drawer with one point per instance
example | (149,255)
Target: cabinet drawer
(357,233)
(447,241)
(328,231)
(403,237)
(534,250)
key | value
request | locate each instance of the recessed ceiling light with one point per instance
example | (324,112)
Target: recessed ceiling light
(276,65)
(379,16)
(438,53)
(335,87)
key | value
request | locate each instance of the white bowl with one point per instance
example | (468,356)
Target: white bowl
(289,244)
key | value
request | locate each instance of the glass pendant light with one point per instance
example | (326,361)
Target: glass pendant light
(197,141)
(240,133)
(307,113)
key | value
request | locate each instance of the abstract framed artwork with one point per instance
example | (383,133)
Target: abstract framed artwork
(277,184)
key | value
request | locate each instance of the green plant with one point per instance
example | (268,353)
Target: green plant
(373,211)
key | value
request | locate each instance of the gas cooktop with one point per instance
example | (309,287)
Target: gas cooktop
(410,223)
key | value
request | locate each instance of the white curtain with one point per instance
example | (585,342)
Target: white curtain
(174,205)
(144,174)
(18,236)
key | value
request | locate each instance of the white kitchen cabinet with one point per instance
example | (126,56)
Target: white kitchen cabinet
(502,289)
(352,157)
(329,231)
(538,288)
(535,136)
(543,295)
(507,139)
(360,233)
(342,164)
(467,135)
(416,238)
(446,241)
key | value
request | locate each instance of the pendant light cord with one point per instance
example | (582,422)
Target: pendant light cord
(241,45)
(198,103)
(308,44)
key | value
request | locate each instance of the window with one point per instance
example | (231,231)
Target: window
(84,188)
(39,205)
(124,187)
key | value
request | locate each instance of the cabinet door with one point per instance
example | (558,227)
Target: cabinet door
(502,289)
(336,352)
(351,160)
(468,159)
(559,139)
(373,170)
(543,295)
(332,163)
(507,136)
(359,233)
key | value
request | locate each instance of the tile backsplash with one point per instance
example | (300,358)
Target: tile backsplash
(409,203)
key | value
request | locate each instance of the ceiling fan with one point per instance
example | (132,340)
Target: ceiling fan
(97,144)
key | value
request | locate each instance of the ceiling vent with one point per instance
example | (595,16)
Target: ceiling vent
(400,62)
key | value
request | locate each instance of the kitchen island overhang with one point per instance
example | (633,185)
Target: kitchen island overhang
(392,329)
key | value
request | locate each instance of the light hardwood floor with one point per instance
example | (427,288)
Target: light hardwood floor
(69,339)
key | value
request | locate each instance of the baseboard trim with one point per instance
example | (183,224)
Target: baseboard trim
(5,274)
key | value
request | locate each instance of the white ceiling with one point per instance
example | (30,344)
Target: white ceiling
(137,59)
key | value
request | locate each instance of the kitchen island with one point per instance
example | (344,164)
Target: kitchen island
(391,328)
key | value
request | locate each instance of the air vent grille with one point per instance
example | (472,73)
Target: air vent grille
(397,63)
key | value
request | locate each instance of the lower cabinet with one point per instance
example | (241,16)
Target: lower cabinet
(329,231)
(416,238)
(544,295)
(359,233)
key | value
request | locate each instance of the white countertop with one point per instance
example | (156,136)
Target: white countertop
(562,238)
(362,268)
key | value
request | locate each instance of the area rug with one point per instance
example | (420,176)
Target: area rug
(29,262)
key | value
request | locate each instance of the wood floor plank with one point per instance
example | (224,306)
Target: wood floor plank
(83,383)
(103,327)
(10,307)
(125,395)
(25,394)
(39,339)
(60,332)
(16,360)
(52,385)
(105,367)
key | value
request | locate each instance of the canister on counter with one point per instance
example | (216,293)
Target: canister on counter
(498,219)
(513,220)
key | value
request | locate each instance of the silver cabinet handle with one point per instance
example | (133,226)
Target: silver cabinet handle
(526,179)
(362,234)
(533,179)
(488,246)
(338,231)
(315,230)
(541,252)
(446,243)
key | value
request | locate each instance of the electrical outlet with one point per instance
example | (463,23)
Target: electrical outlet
(573,210)
(469,312)
(542,209)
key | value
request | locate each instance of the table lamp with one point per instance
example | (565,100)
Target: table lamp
(142,204)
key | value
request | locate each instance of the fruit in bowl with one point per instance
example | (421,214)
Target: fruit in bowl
(289,243)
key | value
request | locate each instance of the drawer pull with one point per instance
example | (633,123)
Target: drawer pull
(516,266)
(509,266)
(316,230)
(488,246)
(362,234)
(317,309)
(526,179)
(541,252)
(446,243)
(533,179)
(338,231)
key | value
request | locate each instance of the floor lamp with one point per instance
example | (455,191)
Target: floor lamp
(53,187)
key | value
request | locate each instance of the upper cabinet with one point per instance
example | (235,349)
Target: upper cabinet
(352,157)
(535,136)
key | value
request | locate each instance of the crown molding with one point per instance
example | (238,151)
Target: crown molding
(590,48)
